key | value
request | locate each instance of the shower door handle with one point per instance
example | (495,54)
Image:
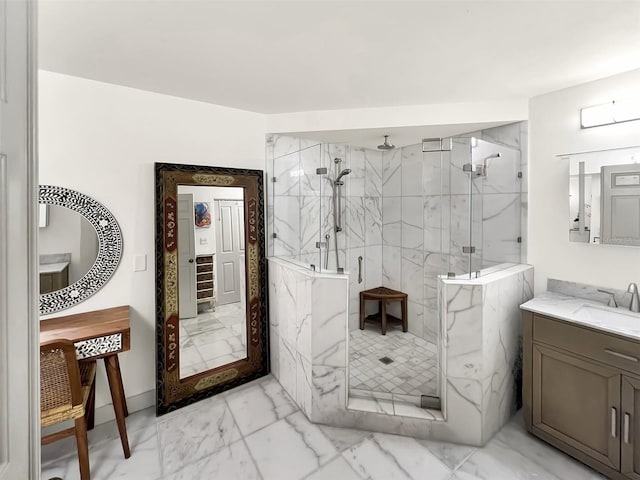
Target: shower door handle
(360,269)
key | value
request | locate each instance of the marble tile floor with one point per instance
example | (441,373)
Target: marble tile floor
(255,432)
(414,370)
(213,338)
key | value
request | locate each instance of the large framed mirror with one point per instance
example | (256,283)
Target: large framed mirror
(80,246)
(211,316)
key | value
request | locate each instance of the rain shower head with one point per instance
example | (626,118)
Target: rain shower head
(386,145)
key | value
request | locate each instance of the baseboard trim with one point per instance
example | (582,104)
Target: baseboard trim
(135,403)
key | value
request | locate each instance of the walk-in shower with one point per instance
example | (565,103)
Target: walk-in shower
(397,218)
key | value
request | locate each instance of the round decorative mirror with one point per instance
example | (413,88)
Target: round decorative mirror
(80,247)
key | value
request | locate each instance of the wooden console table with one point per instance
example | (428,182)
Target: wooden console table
(98,334)
(383,295)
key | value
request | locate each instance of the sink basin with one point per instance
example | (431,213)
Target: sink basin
(603,313)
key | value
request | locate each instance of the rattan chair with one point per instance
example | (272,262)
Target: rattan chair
(65,389)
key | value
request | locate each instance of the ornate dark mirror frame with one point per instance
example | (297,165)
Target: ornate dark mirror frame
(172,392)
(109,247)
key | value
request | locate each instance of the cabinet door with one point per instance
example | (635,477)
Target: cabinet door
(630,421)
(578,403)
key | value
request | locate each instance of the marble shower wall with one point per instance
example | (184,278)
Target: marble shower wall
(363,227)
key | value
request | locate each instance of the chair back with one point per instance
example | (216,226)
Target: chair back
(60,385)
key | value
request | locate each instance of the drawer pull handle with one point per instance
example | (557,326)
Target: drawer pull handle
(621,355)
(627,420)
(613,422)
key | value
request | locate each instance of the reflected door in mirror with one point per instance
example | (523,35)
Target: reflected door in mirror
(621,204)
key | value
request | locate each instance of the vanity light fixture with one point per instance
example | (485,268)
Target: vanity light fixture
(610,113)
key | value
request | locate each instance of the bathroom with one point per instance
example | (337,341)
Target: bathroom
(408,217)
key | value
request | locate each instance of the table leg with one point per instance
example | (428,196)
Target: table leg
(117,396)
(361,312)
(91,406)
(405,317)
(383,314)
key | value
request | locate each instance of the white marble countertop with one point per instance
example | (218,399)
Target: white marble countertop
(53,267)
(619,321)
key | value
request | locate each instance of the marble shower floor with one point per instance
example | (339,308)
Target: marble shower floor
(414,370)
(212,339)
(255,432)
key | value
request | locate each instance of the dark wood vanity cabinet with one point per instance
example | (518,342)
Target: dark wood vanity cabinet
(53,281)
(581,393)
(631,427)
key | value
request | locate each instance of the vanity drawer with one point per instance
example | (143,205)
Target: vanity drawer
(615,351)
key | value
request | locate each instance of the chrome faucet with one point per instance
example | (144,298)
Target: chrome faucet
(635,300)
(612,298)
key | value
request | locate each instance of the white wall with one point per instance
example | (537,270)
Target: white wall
(554,128)
(400,116)
(103,140)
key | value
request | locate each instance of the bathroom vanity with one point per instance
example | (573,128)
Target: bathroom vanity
(581,380)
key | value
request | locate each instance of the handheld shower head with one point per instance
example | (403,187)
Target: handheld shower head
(338,180)
(344,172)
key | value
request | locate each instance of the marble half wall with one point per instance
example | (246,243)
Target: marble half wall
(482,348)
(481,351)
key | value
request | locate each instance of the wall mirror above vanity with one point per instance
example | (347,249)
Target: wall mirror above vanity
(604,196)
(211,321)
(80,246)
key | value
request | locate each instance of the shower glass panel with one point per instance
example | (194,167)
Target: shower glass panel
(484,187)
(302,225)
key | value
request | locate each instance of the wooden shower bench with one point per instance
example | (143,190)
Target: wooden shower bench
(383,295)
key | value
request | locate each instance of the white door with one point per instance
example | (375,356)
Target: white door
(187,302)
(229,249)
(620,212)
(19,327)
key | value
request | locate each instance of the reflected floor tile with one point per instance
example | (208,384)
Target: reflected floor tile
(290,448)
(260,405)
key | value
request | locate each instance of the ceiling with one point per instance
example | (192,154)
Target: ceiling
(276,57)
